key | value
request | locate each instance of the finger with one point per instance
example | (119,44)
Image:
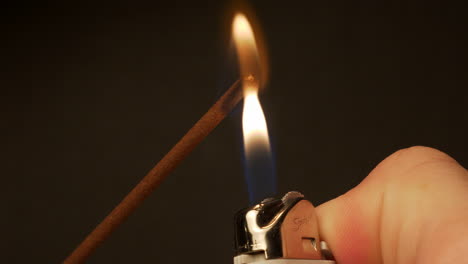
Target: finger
(412,208)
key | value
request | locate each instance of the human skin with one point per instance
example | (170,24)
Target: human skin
(411,209)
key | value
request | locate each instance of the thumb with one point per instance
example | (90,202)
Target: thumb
(412,208)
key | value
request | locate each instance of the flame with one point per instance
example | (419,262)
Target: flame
(242,31)
(247,52)
(254,124)
(255,132)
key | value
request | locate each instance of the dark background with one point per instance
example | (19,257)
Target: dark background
(93,96)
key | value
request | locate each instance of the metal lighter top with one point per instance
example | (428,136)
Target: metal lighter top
(279,231)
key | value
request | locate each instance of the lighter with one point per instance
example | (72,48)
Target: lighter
(280,231)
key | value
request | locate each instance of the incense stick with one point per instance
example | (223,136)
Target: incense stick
(153,179)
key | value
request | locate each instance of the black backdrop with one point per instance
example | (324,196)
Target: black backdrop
(93,96)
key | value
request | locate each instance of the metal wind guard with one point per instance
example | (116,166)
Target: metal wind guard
(281,231)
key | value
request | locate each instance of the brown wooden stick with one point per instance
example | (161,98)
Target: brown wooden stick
(153,179)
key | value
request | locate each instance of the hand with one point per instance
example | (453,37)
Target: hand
(411,209)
